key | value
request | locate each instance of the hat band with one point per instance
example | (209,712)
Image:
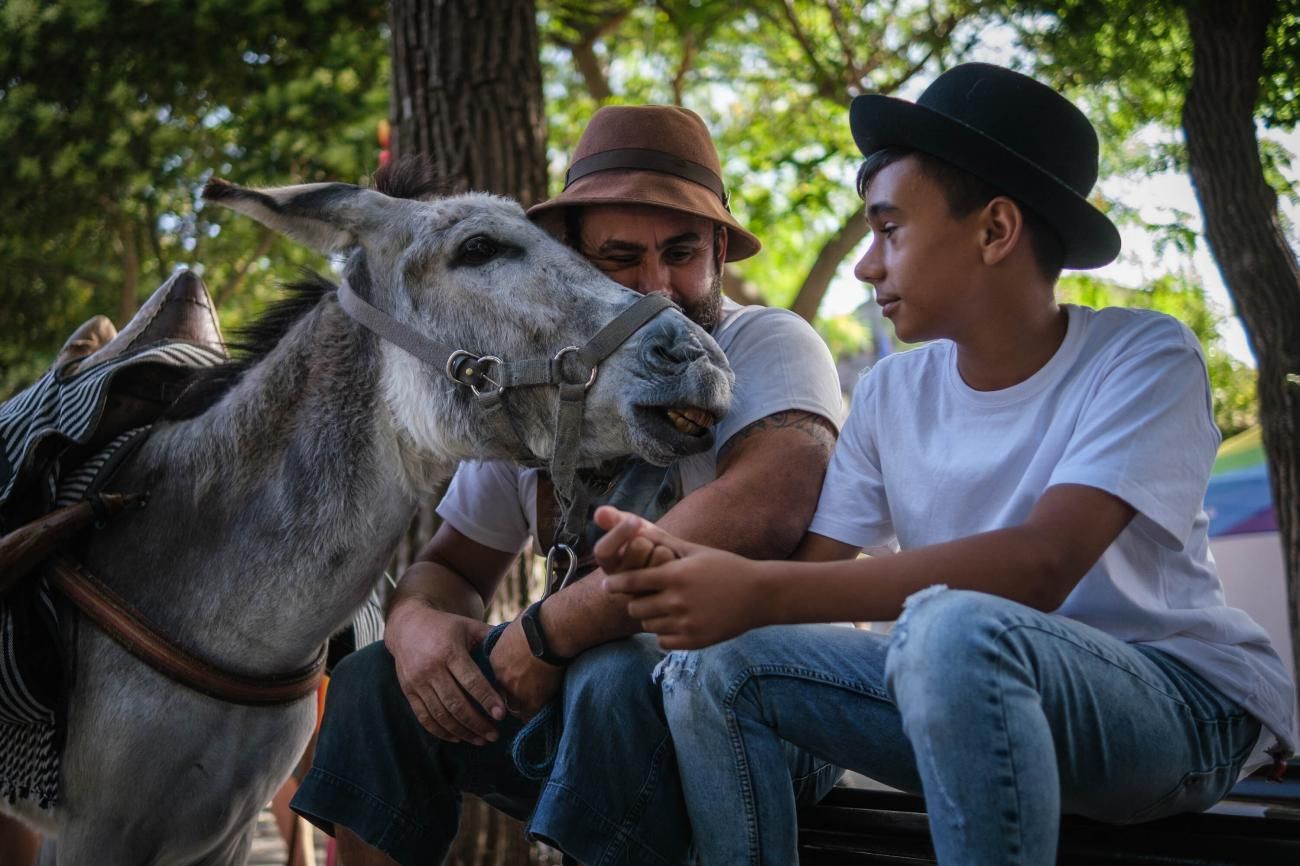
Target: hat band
(642,159)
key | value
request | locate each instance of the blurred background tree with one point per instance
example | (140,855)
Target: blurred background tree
(114,113)
(112,116)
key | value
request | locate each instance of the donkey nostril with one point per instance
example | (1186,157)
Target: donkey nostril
(668,348)
(665,354)
(670,355)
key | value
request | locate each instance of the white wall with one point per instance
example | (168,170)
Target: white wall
(1254,579)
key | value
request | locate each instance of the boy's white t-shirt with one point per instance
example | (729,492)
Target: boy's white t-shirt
(1123,406)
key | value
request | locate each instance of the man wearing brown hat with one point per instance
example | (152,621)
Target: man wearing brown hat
(438,710)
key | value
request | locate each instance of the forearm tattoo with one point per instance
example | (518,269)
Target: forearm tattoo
(817,428)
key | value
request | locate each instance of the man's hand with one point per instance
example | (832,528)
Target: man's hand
(527,682)
(448,693)
(690,595)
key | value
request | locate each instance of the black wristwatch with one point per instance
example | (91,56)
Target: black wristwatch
(531,623)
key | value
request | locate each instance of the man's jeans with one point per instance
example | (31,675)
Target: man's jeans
(611,793)
(1015,716)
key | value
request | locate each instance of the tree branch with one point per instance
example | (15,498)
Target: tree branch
(235,280)
(823,81)
(689,52)
(842,243)
(584,57)
(584,54)
(842,37)
(739,289)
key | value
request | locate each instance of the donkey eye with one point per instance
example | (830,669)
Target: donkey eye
(478,250)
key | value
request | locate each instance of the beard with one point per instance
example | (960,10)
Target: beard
(707,311)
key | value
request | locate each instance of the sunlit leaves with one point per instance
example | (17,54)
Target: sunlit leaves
(113,114)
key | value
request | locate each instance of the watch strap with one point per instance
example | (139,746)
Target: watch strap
(536,635)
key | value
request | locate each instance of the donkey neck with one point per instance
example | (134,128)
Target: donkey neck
(273,513)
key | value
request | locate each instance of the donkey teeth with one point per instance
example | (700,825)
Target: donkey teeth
(692,422)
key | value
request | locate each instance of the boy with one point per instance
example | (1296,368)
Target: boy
(1062,642)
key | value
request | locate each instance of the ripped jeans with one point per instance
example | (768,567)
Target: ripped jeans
(1003,716)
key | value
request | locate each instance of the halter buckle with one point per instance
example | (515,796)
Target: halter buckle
(594,367)
(454,360)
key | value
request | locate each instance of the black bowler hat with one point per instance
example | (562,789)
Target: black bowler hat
(1005,128)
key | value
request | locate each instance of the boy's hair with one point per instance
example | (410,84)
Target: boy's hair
(964,193)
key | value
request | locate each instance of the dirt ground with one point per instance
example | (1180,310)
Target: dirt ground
(269,848)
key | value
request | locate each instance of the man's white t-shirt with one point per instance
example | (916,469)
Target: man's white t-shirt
(780,364)
(1123,406)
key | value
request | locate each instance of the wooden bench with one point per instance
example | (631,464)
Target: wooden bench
(1259,823)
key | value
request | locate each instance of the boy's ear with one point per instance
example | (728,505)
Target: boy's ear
(1002,226)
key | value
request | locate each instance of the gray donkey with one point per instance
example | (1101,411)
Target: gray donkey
(275,505)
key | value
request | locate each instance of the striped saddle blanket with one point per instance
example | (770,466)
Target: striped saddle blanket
(37,426)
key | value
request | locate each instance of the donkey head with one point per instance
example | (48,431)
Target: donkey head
(470,272)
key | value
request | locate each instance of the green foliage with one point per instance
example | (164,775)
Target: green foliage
(1279,99)
(1129,63)
(773,81)
(114,113)
(845,335)
(1232,383)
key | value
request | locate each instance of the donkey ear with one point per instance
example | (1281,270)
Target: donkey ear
(329,217)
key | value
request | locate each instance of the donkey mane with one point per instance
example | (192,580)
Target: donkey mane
(250,345)
(410,177)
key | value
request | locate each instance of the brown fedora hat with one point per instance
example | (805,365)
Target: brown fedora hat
(658,155)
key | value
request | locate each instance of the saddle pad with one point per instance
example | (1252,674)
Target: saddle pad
(71,408)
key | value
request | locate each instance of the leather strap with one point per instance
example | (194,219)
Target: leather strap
(400,335)
(643,159)
(125,625)
(624,325)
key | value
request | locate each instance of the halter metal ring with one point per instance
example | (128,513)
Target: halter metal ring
(594,367)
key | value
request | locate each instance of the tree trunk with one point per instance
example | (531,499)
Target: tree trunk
(467,95)
(1246,238)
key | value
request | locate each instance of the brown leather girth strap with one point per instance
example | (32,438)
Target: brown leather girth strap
(119,621)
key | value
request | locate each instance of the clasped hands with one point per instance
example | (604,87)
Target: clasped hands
(688,594)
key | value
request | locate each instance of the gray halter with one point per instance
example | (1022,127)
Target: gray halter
(472,370)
